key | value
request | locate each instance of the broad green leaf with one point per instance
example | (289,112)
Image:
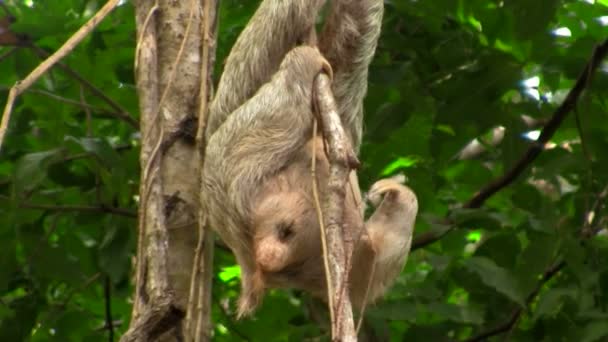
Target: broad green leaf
(496,277)
(229,273)
(100,148)
(595,331)
(550,302)
(31,169)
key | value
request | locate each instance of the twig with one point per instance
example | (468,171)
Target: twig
(342,159)
(511,323)
(119,111)
(64,99)
(315,195)
(8,53)
(204,328)
(5,8)
(143,31)
(65,49)
(84,106)
(516,314)
(547,132)
(599,53)
(107,292)
(83,208)
(87,111)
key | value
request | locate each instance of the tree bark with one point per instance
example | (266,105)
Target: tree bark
(169,76)
(340,243)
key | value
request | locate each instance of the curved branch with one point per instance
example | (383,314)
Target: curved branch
(599,53)
(41,69)
(516,314)
(84,208)
(339,244)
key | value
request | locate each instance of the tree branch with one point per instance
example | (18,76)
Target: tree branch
(41,69)
(119,111)
(83,208)
(516,314)
(599,53)
(107,293)
(339,243)
(585,233)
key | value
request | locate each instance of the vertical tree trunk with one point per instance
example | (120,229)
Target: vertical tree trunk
(169,66)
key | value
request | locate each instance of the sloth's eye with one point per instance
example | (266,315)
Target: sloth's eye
(285,230)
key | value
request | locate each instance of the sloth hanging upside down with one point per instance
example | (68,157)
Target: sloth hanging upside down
(257,187)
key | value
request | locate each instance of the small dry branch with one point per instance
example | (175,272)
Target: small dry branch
(342,159)
(41,69)
(599,53)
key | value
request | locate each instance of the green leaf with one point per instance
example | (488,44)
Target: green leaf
(31,169)
(496,277)
(467,314)
(229,273)
(594,331)
(551,301)
(395,310)
(99,148)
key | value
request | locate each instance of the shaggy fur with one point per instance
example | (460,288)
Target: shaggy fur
(257,182)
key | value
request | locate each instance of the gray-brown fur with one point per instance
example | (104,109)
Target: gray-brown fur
(257,182)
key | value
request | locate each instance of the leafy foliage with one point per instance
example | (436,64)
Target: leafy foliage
(446,72)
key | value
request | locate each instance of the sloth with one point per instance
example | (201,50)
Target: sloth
(257,186)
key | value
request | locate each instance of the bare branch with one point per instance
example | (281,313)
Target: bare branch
(516,314)
(83,208)
(339,243)
(511,323)
(119,111)
(547,132)
(107,293)
(599,53)
(65,49)
(8,53)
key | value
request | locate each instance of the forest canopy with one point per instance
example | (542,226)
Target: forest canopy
(495,111)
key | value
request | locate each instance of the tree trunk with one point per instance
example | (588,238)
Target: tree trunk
(169,72)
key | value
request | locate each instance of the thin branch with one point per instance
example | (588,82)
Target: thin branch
(119,111)
(41,69)
(107,292)
(547,132)
(87,111)
(82,208)
(317,201)
(84,106)
(8,53)
(599,53)
(340,245)
(5,8)
(64,99)
(516,314)
(511,323)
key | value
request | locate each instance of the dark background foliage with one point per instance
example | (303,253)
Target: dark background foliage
(533,260)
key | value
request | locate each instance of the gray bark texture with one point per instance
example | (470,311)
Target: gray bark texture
(169,66)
